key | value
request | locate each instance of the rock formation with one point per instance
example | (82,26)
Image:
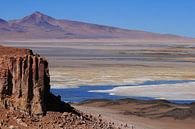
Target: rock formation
(25,83)
(25,90)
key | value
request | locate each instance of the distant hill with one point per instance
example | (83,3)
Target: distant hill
(40,26)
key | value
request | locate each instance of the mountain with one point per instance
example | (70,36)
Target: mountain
(41,26)
(3,21)
(4,26)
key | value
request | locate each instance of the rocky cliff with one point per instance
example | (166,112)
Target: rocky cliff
(25,83)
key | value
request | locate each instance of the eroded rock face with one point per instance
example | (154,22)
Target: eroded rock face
(25,83)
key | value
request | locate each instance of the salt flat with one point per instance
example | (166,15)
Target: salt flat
(73,64)
(181,91)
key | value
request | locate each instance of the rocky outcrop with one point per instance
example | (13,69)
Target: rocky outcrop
(25,83)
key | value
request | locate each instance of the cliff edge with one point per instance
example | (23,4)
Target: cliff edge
(25,83)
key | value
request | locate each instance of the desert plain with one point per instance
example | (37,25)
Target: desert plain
(122,63)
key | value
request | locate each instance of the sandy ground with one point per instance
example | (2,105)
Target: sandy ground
(134,122)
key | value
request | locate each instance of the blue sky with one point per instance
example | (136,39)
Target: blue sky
(163,16)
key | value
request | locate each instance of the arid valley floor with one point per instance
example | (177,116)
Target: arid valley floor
(123,63)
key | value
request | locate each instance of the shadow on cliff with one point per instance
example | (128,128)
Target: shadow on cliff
(54,104)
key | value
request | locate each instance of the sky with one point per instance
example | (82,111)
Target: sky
(162,16)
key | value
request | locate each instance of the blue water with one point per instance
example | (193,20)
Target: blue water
(81,93)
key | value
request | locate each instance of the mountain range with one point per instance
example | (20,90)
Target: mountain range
(41,26)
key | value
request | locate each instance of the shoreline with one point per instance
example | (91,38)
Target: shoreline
(87,92)
(178,102)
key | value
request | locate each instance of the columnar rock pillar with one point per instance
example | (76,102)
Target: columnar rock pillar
(24,82)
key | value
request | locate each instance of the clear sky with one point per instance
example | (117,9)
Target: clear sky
(163,16)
